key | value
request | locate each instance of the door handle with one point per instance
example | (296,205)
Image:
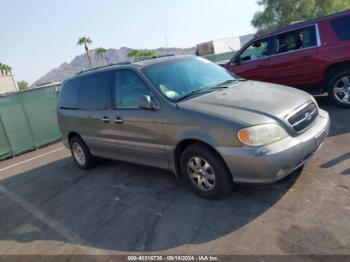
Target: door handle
(105,119)
(261,66)
(118,120)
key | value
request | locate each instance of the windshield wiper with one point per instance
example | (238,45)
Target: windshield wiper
(227,82)
(191,94)
(200,90)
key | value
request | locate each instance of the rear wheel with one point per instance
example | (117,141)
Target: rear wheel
(81,153)
(339,89)
(205,172)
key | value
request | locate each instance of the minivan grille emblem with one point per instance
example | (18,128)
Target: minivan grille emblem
(308,116)
(303,118)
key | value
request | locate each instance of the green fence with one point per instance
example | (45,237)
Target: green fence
(28,120)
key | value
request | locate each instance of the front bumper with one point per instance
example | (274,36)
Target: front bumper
(273,162)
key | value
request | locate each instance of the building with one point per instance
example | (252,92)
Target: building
(8,83)
(225,45)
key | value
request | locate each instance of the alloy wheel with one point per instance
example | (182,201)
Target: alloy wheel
(78,154)
(201,173)
(341,90)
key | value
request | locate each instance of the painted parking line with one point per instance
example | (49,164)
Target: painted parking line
(56,226)
(31,159)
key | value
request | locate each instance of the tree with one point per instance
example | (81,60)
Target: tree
(136,53)
(5,69)
(101,52)
(279,13)
(22,85)
(86,41)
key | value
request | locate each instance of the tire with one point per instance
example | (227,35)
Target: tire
(337,81)
(211,182)
(79,148)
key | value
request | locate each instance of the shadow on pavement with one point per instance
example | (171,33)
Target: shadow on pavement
(340,117)
(340,125)
(336,161)
(123,207)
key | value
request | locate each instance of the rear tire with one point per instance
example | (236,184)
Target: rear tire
(339,88)
(81,153)
(205,172)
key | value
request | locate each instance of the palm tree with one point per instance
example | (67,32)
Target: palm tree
(86,41)
(5,69)
(8,69)
(101,52)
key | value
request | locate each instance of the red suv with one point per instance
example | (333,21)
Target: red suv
(313,56)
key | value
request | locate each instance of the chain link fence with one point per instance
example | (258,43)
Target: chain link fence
(28,120)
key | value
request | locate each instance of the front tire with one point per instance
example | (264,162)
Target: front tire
(205,172)
(81,153)
(339,89)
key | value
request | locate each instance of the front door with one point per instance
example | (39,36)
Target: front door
(253,62)
(138,133)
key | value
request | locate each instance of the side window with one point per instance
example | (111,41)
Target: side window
(341,27)
(69,94)
(295,40)
(256,50)
(96,91)
(129,89)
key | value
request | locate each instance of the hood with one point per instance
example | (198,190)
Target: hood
(249,102)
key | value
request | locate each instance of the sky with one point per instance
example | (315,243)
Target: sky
(39,35)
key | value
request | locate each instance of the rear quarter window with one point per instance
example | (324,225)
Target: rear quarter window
(96,91)
(341,27)
(69,94)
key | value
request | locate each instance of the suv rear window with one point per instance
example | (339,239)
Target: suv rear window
(341,27)
(96,91)
(69,94)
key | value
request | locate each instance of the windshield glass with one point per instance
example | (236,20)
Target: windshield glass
(180,77)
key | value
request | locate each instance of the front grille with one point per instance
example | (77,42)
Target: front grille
(303,118)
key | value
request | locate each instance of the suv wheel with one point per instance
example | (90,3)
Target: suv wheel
(339,89)
(205,172)
(81,153)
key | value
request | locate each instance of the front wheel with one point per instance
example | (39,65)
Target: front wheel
(205,172)
(339,89)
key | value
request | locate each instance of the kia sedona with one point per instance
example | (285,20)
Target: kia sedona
(193,117)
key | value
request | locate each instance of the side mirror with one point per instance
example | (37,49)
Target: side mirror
(145,102)
(236,60)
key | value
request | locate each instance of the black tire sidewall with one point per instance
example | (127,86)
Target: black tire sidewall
(331,86)
(89,159)
(223,179)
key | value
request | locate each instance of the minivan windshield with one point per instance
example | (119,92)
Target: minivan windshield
(180,78)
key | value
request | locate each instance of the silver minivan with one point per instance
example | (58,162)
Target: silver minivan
(193,117)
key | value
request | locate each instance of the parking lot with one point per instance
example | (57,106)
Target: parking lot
(49,206)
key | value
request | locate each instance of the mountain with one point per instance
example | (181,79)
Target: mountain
(80,62)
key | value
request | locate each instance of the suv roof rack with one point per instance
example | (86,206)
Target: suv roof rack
(143,58)
(100,67)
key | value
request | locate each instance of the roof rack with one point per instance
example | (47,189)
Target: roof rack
(143,58)
(100,67)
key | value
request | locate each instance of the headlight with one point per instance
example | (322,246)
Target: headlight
(261,134)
